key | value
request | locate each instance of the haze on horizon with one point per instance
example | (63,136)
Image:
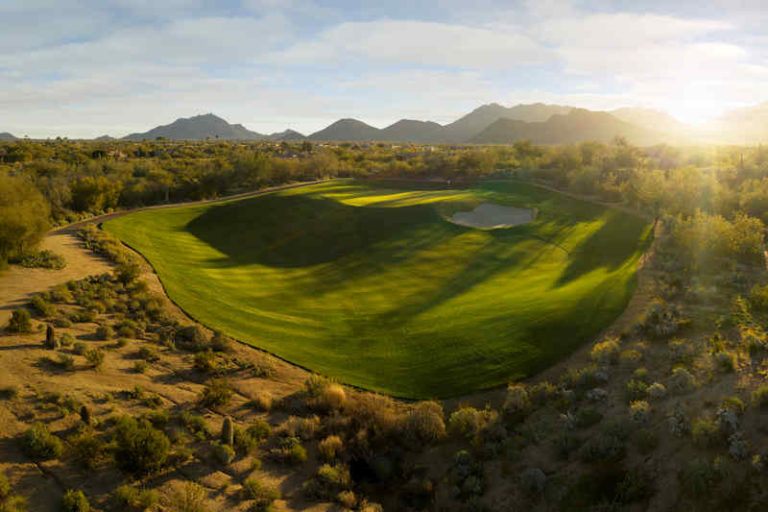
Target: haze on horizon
(85,68)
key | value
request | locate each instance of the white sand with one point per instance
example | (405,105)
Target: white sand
(492,216)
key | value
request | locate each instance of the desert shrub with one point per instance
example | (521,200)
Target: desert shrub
(245,441)
(662,319)
(127,272)
(217,393)
(221,342)
(41,259)
(467,422)
(222,452)
(66,340)
(678,422)
(329,481)
(758,297)
(635,390)
(347,499)
(140,366)
(20,321)
(608,445)
(62,322)
(760,396)
(259,430)
(41,307)
(323,394)
(466,477)
(681,351)
(330,447)
(195,424)
(262,494)
(737,446)
(682,380)
(87,449)
(724,362)
(5,487)
(605,352)
(541,393)
(74,501)
(65,362)
(13,503)
(206,362)
(657,391)
(190,498)
(39,443)
(263,366)
(79,348)
(95,357)
(140,448)
(191,338)
(289,449)
(586,417)
(262,401)
(147,353)
(516,403)
(305,428)
(705,433)
(735,404)
(424,422)
(639,411)
(698,477)
(105,332)
(630,357)
(128,496)
(585,378)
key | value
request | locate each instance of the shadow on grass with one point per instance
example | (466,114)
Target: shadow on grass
(298,231)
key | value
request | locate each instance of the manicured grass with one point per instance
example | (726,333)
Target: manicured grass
(371,285)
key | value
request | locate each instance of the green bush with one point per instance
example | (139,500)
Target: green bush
(140,448)
(105,332)
(262,494)
(330,447)
(605,352)
(95,357)
(223,452)
(41,306)
(705,433)
(467,422)
(217,393)
(128,496)
(206,362)
(20,321)
(329,481)
(87,449)
(74,501)
(424,422)
(39,443)
(289,449)
(80,348)
(760,396)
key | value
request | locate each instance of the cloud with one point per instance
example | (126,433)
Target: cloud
(420,43)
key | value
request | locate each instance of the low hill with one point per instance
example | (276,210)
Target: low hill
(7,136)
(469,126)
(201,127)
(287,135)
(747,125)
(104,138)
(652,119)
(577,126)
(347,129)
(409,130)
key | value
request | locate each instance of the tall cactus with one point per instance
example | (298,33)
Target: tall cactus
(50,338)
(228,432)
(85,415)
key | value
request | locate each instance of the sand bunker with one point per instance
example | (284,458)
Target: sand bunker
(492,216)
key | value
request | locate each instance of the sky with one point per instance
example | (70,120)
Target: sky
(87,68)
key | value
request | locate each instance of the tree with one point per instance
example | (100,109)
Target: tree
(23,217)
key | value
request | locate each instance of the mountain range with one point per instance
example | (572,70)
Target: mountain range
(497,124)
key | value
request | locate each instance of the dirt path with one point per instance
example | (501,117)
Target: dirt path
(18,284)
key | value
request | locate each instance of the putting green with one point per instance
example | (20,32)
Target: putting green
(373,286)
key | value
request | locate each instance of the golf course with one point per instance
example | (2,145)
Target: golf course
(374,286)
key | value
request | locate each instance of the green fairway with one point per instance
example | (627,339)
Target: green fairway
(371,285)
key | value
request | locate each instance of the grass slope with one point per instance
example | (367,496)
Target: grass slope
(372,286)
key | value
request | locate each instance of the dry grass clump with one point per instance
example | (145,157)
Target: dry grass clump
(605,352)
(324,395)
(424,422)
(330,447)
(263,401)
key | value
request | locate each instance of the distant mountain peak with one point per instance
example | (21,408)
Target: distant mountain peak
(199,127)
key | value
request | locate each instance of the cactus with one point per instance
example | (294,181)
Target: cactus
(228,432)
(85,415)
(50,338)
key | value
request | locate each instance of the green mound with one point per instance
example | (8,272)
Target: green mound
(373,286)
